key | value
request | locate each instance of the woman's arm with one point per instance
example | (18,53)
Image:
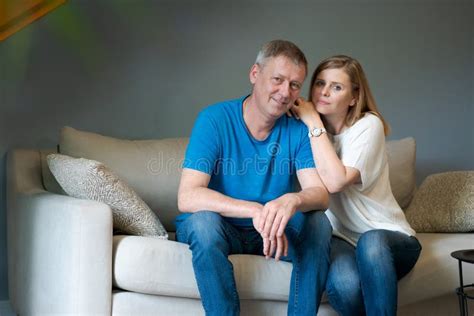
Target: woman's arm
(335,176)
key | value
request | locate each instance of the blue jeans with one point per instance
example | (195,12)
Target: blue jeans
(363,280)
(212,239)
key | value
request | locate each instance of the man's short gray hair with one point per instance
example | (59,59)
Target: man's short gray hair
(277,48)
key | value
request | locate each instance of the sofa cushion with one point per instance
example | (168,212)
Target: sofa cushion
(436,272)
(163,267)
(151,167)
(401,163)
(444,203)
(89,179)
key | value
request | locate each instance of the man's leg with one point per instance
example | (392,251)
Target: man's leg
(383,257)
(211,240)
(309,236)
(343,283)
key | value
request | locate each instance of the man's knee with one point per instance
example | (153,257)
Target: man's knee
(204,228)
(318,226)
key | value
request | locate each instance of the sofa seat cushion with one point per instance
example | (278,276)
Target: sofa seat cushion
(436,272)
(163,267)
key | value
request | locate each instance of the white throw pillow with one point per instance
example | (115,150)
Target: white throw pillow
(89,179)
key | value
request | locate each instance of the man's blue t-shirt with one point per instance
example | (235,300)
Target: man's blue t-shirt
(241,166)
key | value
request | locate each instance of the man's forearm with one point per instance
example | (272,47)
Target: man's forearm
(199,199)
(313,198)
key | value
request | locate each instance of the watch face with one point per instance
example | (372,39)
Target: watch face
(316,132)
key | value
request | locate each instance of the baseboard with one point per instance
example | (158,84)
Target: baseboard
(6,309)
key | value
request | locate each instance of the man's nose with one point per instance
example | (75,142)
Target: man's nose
(285,89)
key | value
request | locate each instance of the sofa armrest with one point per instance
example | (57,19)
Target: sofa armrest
(59,248)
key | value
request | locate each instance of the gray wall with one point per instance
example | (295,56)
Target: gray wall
(143,69)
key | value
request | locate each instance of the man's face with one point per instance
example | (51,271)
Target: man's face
(276,85)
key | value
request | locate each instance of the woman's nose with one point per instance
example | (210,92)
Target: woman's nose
(325,91)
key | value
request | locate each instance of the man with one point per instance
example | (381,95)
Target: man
(237,188)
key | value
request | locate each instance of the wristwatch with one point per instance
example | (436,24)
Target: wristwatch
(316,132)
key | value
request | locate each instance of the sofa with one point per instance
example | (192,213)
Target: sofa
(64,258)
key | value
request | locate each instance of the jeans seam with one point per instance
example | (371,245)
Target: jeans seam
(296,267)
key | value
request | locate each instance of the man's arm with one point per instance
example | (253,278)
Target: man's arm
(313,194)
(276,214)
(194,195)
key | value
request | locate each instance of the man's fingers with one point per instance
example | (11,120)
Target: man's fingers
(273,245)
(268,223)
(280,248)
(285,240)
(275,227)
(266,246)
(263,218)
(282,226)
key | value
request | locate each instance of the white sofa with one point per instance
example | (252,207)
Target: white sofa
(64,259)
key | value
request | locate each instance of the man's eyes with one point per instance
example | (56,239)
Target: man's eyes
(295,86)
(277,79)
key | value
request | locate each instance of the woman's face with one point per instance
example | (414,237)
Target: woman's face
(332,93)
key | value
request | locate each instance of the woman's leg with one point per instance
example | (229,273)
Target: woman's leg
(343,284)
(383,257)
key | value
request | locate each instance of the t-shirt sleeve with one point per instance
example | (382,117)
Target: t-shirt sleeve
(304,156)
(364,150)
(203,148)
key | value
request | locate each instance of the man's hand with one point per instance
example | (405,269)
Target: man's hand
(276,214)
(278,244)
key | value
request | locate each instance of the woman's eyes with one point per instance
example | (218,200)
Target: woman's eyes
(334,87)
(319,83)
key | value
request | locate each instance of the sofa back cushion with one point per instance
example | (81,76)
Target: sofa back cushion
(401,163)
(153,167)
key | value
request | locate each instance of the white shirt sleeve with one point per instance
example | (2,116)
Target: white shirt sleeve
(364,149)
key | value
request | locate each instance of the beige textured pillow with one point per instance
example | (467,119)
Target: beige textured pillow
(92,180)
(444,203)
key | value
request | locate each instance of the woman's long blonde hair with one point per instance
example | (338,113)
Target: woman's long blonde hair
(360,87)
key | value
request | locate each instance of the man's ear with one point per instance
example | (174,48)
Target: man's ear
(254,71)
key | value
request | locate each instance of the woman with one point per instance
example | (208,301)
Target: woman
(373,245)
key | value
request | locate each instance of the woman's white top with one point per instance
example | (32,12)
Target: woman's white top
(370,204)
